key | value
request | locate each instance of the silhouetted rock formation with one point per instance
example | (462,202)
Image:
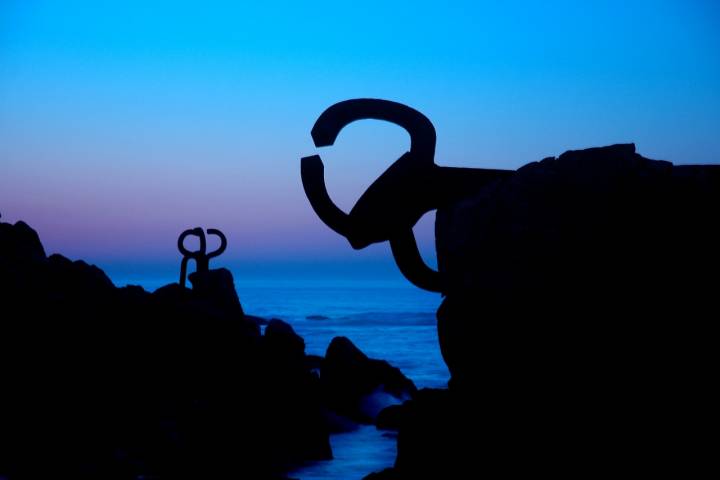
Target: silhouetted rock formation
(355,385)
(281,337)
(106,382)
(387,474)
(578,323)
(391,418)
(217,288)
(24,244)
(593,236)
(259,321)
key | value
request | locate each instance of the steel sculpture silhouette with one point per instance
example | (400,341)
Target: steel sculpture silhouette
(409,188)
(201,257)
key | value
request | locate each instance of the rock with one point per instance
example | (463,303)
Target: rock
(430,442)
(134,290)
(21,256)
(77,278)
(172,293)
(339,423)
(217,288)
(587,235)
(20,244)
(282,329)
(357,386)
(259,321)
(106,382)
(287,376)
(387,474)
(575,322)
(391,418)
(314,362)
(344,353)
(282,340)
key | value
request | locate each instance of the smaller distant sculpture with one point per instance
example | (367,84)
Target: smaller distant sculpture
(201,257)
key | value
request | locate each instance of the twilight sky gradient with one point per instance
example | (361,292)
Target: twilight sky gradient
(122,124)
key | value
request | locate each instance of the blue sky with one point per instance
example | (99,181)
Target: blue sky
(123,123)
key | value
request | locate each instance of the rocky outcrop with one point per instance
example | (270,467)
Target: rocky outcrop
(281,338)
(570,248)
(360,387)
(577,323)
(106,382)
(217,288)
(259,321)
(392,417)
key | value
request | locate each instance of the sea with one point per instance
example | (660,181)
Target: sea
(386,319)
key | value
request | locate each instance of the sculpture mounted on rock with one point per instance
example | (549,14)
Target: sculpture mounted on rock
(577,317)
(201,257)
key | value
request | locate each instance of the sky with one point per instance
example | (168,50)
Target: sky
(124,123)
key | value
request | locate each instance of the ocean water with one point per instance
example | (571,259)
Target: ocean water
(389,320)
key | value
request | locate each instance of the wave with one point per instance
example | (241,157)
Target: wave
(384,318)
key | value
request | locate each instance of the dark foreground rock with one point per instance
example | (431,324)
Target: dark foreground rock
(392,417)
(259,321)
(578,326)
(105,382)
(357,386)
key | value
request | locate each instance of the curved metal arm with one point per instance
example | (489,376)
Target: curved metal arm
(198,232)
(411,265)
(183,270)
(325,132)
(389,207)
(223,242)
(187,254)
(338,116)
(312,173)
